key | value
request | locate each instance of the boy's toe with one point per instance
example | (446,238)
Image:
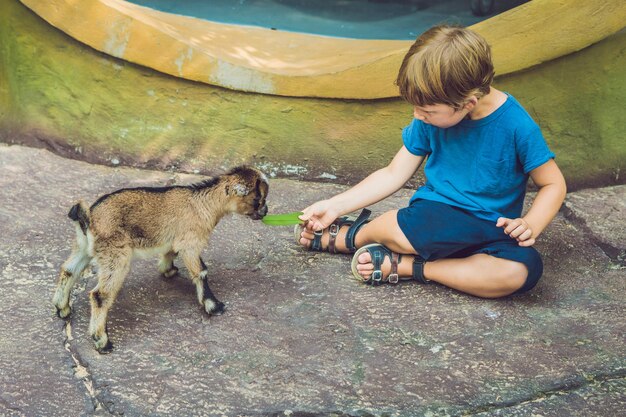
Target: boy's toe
(365,258)
(365,266)
(307,235)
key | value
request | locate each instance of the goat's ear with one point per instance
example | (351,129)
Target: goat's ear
(238,190)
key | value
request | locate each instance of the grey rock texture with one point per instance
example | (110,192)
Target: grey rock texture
(299,337)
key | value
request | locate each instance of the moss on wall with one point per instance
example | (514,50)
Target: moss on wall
(579,102)
(58,93)
(63,92)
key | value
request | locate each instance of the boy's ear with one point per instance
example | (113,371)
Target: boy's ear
(471,103)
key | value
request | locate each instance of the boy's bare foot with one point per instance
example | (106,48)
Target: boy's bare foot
(365,266)
(337,238)
(375,264)
(307,237)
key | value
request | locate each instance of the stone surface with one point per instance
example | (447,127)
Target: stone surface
(299,337)
(603,212)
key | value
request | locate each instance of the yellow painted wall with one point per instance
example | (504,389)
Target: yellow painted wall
(301,65)
(57,92)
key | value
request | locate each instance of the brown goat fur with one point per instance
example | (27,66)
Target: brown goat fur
(169,221)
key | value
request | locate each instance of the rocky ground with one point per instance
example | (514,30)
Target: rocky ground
(299,337)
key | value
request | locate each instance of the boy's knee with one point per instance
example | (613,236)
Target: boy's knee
(513,277)
(523,268)
(509,278)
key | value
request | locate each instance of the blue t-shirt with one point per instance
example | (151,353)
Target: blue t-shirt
(480,165)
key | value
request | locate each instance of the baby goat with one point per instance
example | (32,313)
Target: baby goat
(170,221)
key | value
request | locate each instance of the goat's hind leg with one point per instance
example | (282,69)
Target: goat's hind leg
(112,270)
(71,270)
(166,264)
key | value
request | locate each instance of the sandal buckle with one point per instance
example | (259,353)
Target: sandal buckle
(377,276)
(393,278)
(318,232)
(333,229)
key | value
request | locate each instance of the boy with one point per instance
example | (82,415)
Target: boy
(463,228)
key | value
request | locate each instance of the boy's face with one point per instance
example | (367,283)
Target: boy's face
(440,115)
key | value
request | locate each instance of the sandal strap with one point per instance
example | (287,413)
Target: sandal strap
(316,245)
(393,277)
(378,257)
(354,228)
(418,270)
(379,254)
(333,231)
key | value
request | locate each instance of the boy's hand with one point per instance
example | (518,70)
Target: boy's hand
(319,216)
(517,229)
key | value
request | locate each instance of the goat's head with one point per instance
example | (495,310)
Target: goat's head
(247,188)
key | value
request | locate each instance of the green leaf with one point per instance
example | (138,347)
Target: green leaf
(286,219)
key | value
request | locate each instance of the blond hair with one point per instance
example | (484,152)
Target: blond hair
(446,65)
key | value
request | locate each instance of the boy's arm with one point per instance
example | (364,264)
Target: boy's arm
(547,203)
(375,187)
(380,184)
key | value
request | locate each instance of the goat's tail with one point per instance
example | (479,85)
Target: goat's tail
(80,213)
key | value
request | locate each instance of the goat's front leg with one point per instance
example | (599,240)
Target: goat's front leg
(199,275)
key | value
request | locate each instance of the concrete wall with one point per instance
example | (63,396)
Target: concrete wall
(58,93)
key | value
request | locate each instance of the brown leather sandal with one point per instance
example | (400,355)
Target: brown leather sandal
(355,223)
(378,253)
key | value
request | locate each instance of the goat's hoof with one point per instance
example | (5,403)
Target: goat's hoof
(171,272)
(63,312)
(103,344)
(214,308)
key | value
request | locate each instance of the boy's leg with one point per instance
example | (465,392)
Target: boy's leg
(480,275)
(383,229)
(386,231)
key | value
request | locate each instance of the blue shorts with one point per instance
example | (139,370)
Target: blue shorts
(437,230)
